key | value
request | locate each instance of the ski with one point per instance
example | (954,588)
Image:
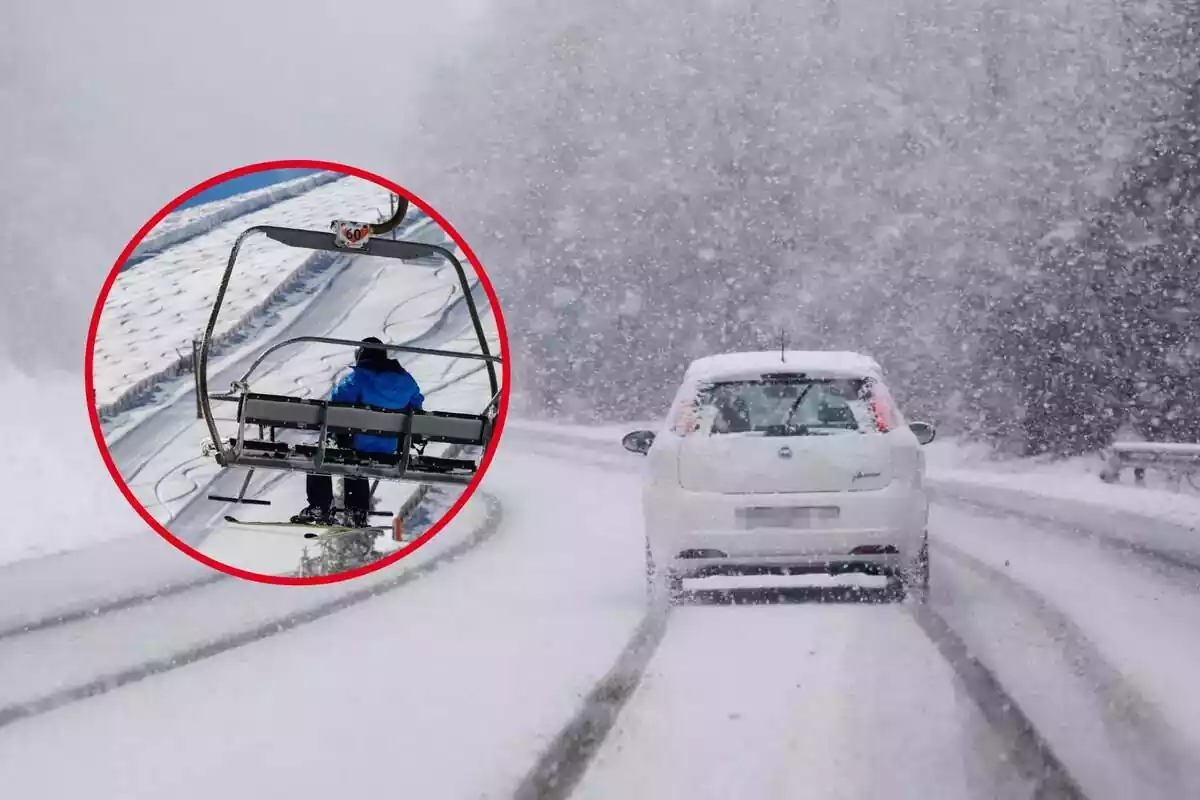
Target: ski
(325,531)
(333,532)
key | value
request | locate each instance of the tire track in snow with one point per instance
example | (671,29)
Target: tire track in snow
(111,606)
(564,762)
(570,753)
(1030,753)
(104,684)
(1143,737)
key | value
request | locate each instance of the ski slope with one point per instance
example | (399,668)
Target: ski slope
(401,302)
(186,223)
(470,676)
(155,311)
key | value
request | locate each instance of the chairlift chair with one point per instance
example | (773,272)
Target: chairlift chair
(261,416)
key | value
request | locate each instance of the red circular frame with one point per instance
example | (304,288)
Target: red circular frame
(89,382)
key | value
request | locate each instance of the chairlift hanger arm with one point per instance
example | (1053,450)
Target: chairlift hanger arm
(390,224)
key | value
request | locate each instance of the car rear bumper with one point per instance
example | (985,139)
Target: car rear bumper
(833,564)
(783,551)
(696,533)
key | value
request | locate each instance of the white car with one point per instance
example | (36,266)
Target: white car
(786,463)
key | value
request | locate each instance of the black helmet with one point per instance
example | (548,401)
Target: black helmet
(369,351)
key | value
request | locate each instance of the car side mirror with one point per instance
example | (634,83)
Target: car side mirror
(638,442)
(924,431)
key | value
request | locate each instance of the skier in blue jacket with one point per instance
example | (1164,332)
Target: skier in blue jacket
(374,380)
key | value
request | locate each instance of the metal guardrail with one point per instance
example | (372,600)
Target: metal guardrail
(1179,460)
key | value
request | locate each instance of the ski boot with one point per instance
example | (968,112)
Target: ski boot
(314,515)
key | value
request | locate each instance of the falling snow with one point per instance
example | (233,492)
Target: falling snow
(997,201)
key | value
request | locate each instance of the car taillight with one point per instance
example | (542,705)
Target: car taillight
(881,419)
(879,400)
(684,422)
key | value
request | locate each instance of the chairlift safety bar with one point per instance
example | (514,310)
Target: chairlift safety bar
(429,351)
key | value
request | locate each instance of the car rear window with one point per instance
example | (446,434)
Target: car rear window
(786,406)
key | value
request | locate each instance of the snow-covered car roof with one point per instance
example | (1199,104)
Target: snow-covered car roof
(752,365)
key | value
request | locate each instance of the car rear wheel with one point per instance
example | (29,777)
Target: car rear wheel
(662,587)
(916,577)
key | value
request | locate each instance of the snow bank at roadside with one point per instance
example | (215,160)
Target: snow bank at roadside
(956,466)
(59,495)
(1070,493)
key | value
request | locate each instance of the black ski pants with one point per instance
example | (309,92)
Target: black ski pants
(320,492)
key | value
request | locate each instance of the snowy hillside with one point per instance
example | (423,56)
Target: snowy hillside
(154,312)
(185,223)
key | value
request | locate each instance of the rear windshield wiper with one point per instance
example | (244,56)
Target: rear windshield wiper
(796,405)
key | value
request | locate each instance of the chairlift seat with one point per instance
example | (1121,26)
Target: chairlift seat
(272,412)
(297,413)
(346,456)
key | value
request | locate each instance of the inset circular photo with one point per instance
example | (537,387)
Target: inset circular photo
(296,372)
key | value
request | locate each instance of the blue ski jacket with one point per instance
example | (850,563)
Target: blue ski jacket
(383,383)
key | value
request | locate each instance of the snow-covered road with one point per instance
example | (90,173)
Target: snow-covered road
(798,700)
(459,684)
(1096,643)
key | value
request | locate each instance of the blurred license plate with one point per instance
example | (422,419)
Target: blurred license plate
(786,516)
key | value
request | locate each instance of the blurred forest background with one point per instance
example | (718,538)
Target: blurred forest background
(998,199)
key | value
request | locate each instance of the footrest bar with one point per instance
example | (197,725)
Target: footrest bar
(244,500)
